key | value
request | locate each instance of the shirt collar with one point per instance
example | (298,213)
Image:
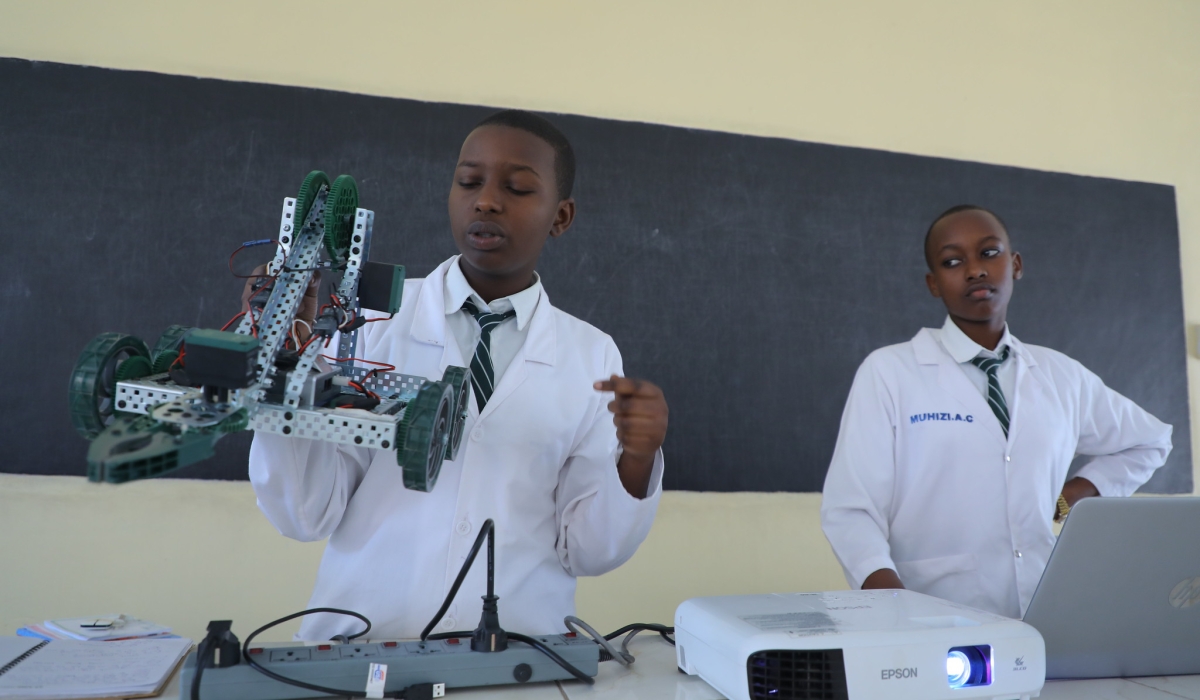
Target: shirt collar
(963,349)
(457,290)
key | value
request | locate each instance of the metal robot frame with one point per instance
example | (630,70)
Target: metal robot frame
(151,412)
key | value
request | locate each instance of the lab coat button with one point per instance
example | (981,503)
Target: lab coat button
(1007,458)
(463,527)
(1017,552)
(448,622)
(475,434)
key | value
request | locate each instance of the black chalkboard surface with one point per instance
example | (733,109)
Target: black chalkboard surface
(747,276)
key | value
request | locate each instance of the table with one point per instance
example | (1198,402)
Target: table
(654,676)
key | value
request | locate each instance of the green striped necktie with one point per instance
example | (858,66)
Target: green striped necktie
(483,374)
(991,366)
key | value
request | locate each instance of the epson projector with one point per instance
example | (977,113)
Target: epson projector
(856,645)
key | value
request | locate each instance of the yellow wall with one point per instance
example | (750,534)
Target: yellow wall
(1089,86)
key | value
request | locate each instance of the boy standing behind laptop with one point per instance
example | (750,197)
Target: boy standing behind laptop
(951,462)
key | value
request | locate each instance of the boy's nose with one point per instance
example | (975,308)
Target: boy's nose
(488,200)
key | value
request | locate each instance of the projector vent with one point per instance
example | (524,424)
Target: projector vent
(800,674)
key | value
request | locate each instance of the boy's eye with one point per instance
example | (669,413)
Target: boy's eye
(951,262)
(991,252)
(468,183)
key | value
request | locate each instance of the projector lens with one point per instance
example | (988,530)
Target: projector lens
(969,667)
(958,669)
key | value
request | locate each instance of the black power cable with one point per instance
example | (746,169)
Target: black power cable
(338,692)
(663,631)
(201,654)
(488,530)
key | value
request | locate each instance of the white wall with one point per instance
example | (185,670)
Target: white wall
(1091,87)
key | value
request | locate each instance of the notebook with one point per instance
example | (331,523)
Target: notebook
(33,669)
(104,628)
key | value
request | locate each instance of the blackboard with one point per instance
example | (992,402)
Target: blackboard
(747,276)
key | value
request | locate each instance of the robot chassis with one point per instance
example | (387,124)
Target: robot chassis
(151,412)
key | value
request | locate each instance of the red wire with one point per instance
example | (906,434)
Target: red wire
(364,389)
(249,308)
(308,342)
(230,323)
(372,373)
(390,368)
(240,249)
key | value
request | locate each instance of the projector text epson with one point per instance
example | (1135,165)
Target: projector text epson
(888,674)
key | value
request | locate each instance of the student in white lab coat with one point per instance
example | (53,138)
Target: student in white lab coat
(571,479)
(951,462)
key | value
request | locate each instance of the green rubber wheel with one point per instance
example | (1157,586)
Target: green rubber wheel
(170,340)
(339,216)
(168,347)
(308,196)
(94,380)
(426,431)
(459,379)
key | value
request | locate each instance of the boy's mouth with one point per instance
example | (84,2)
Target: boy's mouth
(980,291)
(484,235)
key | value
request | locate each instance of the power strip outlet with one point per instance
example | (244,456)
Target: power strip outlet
(447,662)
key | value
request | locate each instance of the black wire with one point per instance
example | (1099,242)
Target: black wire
(553,656)
(663,631)
(301,684)
(487,531)
(201,655)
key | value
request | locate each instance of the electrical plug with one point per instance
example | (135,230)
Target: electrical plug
(489,636)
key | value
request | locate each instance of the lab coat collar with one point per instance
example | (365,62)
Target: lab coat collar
(429,321)
(931,352)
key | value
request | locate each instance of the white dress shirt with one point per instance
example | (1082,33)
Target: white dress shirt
(924,481)
(963,350)
(540,460)
(507,337)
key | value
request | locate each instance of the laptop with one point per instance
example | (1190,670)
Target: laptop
(1120,596)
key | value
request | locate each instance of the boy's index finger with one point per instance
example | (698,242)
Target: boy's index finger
(617,384)
(625,386)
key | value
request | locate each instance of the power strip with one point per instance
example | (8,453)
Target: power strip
(448,662)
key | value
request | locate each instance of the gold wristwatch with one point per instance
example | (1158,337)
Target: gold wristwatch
(1063,508)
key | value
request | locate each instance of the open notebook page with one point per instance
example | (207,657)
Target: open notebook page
(70,669)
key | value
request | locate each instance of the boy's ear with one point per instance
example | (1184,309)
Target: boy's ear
(931,282)
(563,218)
(1018,266)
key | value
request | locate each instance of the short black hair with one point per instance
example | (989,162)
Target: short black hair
(564,155)
(954,210)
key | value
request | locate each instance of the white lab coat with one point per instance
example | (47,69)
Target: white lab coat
(540,461)
(924,482)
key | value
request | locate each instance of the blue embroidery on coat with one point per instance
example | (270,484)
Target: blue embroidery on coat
(957,417)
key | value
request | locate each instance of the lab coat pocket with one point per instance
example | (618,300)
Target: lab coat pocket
(953,578)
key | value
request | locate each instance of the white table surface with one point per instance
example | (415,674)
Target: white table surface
(654,676)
